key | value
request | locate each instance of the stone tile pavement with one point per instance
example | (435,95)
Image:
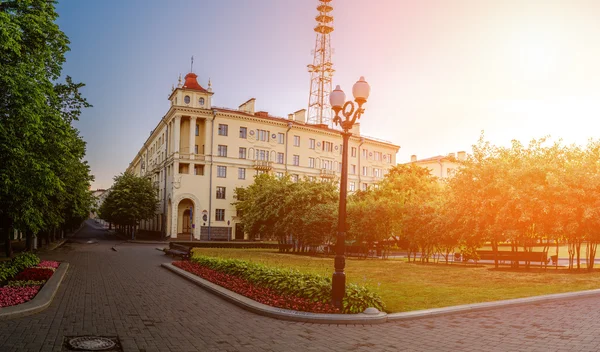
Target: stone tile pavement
(127,294)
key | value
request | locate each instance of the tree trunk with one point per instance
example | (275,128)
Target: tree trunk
(29,241)
(6,227)
(495,250)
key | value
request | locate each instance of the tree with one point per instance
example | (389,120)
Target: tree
(131,200)
(303,213)
(36,136)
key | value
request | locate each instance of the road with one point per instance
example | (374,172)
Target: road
(127,294)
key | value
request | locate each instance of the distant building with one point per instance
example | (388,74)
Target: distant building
(99,197)
(199,153)
(440,166)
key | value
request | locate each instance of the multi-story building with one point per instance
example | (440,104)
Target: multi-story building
(440,166)
(199,153)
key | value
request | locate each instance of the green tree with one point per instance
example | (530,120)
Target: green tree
(36,136)
(131,199)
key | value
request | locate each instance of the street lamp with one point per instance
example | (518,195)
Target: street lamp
(351,113)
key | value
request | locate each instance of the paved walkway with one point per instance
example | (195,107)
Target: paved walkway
(126,293)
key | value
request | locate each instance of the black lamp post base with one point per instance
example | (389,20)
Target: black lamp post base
(338,288)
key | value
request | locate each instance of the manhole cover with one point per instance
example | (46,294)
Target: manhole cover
(91,343)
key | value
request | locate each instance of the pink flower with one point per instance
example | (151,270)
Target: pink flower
(10,296)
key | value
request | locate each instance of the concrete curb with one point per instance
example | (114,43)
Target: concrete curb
(475,307)
(41,301)
(362,318)
(278,313)
(147,242)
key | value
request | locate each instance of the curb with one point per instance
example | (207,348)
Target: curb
(278,313)
(41,301)
(147,242)
(367,319)
(475,307)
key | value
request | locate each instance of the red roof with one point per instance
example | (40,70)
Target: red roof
(192,83)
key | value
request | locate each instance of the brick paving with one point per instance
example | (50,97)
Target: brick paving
(127,294)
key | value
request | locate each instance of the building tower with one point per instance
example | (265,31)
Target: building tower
(321,70)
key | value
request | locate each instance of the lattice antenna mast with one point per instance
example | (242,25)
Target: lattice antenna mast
(321,70)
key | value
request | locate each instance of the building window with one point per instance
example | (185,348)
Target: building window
(352,187)
(220,215)
(220,192)
(353,152)
(377,172)
(296,141)
(327,146)
(311,162)
(201,101)
(263,135)
(365,171)
(223,130)
(352,169)
(377,156)
(243,132)
(241,173)
(242,153)
(295,178)
(280,138)
(311,143)
(186,99)
(364,153)
(296,160)
(279,175)
(222,150)
(312,178)
(199,170)
(279,158)
(197,130)
(196,149)
(340,167)
(327,164)
(222,171)
(365,186)
(389,158)
(262,154)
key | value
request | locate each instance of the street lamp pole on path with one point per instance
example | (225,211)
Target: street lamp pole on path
(351,113)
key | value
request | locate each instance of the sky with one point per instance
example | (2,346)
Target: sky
(441,71)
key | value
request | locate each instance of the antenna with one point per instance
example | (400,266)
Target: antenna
(321,70)
(192,65)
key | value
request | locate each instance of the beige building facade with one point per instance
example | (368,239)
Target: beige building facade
(441,166)
(199,153)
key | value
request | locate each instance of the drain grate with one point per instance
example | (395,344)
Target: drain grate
(92,343)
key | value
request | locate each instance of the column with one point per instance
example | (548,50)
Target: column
(176,138)
(192,136)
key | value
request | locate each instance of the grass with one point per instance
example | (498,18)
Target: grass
(407,286)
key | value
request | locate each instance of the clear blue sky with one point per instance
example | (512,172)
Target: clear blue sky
(441,71)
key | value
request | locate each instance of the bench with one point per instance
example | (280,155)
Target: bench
(177,250)
(504,256)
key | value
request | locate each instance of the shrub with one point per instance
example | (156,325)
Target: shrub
(260,294)
(7,271)
(312,287)
(36,274)
(25,260)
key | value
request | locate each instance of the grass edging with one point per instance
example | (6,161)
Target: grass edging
(41,301)
(278,313)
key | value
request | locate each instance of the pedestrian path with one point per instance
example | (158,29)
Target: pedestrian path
(126,293)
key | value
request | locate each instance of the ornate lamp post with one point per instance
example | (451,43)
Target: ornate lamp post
(351,113)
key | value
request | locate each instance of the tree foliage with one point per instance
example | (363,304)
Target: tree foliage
(302,213)
(44,182)
(131,199)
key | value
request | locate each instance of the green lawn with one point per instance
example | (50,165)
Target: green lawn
(407,286)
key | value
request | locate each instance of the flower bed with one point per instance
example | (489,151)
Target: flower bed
(260,294)
(285,285)
(23,277)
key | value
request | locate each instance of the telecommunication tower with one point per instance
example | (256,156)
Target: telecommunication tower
(321,70)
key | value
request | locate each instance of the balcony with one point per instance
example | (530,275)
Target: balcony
(325,173)
(263,165)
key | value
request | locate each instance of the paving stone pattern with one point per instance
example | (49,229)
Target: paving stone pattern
(127,294)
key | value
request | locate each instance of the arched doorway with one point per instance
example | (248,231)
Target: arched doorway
(185,219)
